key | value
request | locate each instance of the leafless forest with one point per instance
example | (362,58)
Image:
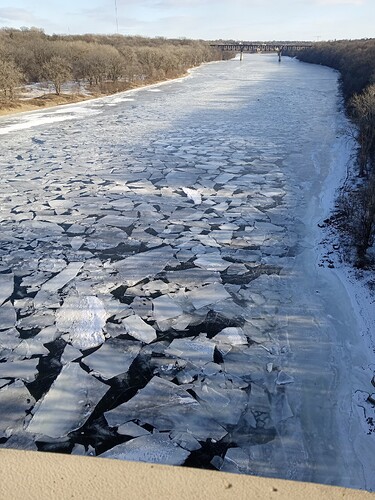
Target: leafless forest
(355,60)
(107,63)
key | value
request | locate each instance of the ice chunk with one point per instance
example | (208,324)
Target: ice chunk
(143,265)
(232,336)
(283,378)
(166,308)
(178,178)
(137,328)
(51,265)
(69,354)
(131,429)
(8,317)
(236,460)
(185,440)
(191,277)
(212,262)
(198,351)
(167,406)
(224,404)
(259,399)
(61,279)
(68,404)
(206,295)
(6,286)
(117,221)
(281,409)
(39,319)
(113,358)
(77,242)
(154,448)
(193,195)
(80,450)
(30,347)
(9,339)
(47,335)
(23,369)
(21,440)
(15,400)
(83,318)
(46,299)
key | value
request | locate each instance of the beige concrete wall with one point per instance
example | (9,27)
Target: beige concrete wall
(31,475)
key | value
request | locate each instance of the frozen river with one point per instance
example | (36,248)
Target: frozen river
(162,295)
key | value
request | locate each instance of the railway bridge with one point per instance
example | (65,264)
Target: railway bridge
(280,48)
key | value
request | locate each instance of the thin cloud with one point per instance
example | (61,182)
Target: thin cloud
(15,14)
(341,2)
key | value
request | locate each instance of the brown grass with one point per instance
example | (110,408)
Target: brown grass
(46,101)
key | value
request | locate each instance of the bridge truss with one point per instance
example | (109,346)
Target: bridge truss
(253,47)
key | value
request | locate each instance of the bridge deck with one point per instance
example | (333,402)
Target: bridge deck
(261,47)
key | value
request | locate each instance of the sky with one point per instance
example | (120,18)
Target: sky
(205,19)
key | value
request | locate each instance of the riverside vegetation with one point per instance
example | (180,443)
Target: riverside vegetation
(106,64)
(355,60)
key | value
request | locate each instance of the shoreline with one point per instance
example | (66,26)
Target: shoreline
(72,98)
(81,98)
(358,346)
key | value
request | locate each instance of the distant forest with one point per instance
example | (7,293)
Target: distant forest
(108,63)
(355,60)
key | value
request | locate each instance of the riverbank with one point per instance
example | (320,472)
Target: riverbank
(86,92)
(50,100)
(359,286)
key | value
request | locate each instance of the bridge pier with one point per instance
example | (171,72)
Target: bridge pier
(279,54)
(241,54)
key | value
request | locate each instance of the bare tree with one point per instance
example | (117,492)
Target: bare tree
(10,78)
(363,112)
(58,71)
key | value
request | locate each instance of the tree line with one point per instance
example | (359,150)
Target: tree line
(355,60)
(108,62)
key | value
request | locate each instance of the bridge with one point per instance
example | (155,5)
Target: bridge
(279,47)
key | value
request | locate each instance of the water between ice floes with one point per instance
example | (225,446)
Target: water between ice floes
(235,327)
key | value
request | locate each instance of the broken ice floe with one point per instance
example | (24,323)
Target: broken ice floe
(68,404)
(142,265)
(154,448)
(83,318)
(66,275)
(6,286)
(8,316)
(15,401)
(139,329)
(113,358)
(198,351)
(24,369)
(166,406)
(174,244)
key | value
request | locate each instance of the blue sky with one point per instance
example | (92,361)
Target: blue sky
(207,19)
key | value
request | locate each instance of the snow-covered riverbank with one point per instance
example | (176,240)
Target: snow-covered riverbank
(358,413)
(161,279)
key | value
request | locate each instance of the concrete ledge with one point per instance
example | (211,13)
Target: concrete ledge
(32,475)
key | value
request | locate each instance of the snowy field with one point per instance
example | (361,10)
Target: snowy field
(160,288)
